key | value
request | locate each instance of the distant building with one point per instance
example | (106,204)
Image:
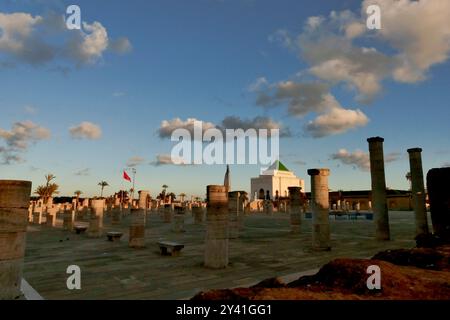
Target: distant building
(397,199)
(274,182)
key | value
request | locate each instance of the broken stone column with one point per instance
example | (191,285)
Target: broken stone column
(137,229)
(167,213)
(178,223)
(116,216)
(68,219)
(418,191)
(95,229)
(379,200)
(51,216)
(216,246)
(320,208)
(14,201)
(295,209)
(197,212)
(438,187)
(37,216)
(233,212)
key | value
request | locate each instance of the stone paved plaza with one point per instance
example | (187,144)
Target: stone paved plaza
(265,249)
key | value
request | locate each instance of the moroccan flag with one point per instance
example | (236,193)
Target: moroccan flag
(126,176)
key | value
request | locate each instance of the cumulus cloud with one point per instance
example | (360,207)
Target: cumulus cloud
(38,40)
(18,140)
(230,122)
(419,31)
(135,161)
(166,159)
(304,98)
(360,159)
(336,121)
(257,123)
(168,126)
(86,130)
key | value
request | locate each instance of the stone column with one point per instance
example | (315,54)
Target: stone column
(320,208)
(439,196)
(178,222)
(143,195)
(14,201)
(379,201)
(418,191)
(51,216)
(216,246)
(95,229)
(295,209)
(69,218)
(167,213)
(198,214)
(233,212)
(116,216)
(137,229)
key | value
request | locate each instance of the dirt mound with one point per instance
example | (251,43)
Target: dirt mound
(405,275)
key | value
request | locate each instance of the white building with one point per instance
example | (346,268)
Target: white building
(275,180)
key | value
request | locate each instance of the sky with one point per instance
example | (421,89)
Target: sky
(85,104)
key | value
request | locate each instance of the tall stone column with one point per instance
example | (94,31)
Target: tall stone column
(438,188)
(216,246)
(233,212)
(418,190)
(320,208)
(137,229)
(14,201)
(379,200)
(295,209)
(95,229)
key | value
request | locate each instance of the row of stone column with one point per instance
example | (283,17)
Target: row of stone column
(379,197)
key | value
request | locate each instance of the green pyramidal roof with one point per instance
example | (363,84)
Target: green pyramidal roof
(277,165)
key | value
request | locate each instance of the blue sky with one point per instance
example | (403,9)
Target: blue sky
(199,59)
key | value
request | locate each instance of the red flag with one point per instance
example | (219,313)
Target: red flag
(126,176)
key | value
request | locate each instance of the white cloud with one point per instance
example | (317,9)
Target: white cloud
(39,40)
(86,130)
(166,159)
(168,126)
(19,138)
(257,123)
(135,161)
(336,121)
(313,97)
(360,159)
(419,30)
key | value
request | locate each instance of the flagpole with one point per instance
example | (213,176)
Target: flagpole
(134,179)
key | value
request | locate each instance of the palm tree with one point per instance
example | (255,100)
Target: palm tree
(103,184)
(49,189)
(78,193)
(182,195)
